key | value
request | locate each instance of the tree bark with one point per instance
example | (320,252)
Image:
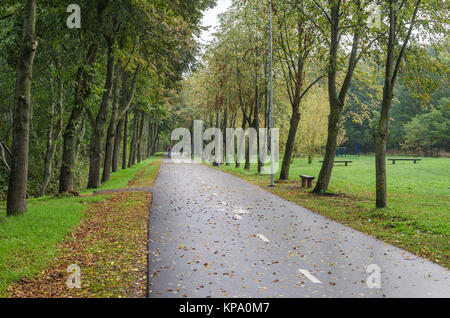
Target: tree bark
(330,151)
(112,128)
(132,158)
(255,125)
(54,133)
(125,142)
(238,164)
(82,92)
(289,149)
(3,157)
(152,139)
(392,68)
(98,126)
(382,132)
(17,189)
(337,100)
(117,144)
(139,138)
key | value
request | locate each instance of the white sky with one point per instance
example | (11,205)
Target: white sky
(210,19)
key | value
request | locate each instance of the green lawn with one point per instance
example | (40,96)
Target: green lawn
(29,242)
(418,216)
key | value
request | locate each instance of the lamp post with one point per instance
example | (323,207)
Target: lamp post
(272,184)
(219,155)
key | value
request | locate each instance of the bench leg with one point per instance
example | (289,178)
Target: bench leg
(393,162)
(309,183)
(303,183)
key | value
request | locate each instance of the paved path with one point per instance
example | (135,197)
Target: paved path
(215,235)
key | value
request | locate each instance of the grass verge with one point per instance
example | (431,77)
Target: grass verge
(418,216)
(35,244)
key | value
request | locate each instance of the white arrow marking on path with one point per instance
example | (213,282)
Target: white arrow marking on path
(242,211)
(263,238)
(237,216)
(310,276)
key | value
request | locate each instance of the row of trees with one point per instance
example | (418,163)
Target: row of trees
(324,52)
(82,93)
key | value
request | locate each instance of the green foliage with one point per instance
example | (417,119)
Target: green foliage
(159,36)
(427,131)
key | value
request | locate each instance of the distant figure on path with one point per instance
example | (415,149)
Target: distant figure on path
(169,151)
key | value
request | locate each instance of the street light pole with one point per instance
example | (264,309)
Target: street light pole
(272,184)
(220,132)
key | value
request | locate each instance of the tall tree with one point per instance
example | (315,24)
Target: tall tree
(82,91)
(99,122)
(17,189)
(402,19)
(89,45)
(299,43)
(55,127)
(335,18)
(116,123)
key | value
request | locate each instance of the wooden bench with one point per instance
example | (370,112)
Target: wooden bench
(307,181)
(342,161)
(394,160)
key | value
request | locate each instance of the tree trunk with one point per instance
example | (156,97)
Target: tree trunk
(69,150)
(255,125)
(151,135)
(82,92)
(232,124)
(247,155)
(111,135)
(17,189)
(224,132)
(290,143)
(381,135)
(117,144)
(146,137)
(98,127)
(54,133)
(132,158)
(391,72)
(125,142)
(154,139)
(238,164)
(330,151)
(310,157)
(380,167)
(3,157)
(337,100)
(139,139)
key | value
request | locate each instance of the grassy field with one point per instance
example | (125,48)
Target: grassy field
(418,216)
(29,242)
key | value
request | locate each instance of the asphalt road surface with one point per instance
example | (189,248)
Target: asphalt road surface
(214,235)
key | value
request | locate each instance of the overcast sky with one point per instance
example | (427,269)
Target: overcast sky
(210,19)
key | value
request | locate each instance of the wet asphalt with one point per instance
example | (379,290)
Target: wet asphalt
(212,234)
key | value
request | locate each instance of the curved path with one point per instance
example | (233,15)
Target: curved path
(212,234)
